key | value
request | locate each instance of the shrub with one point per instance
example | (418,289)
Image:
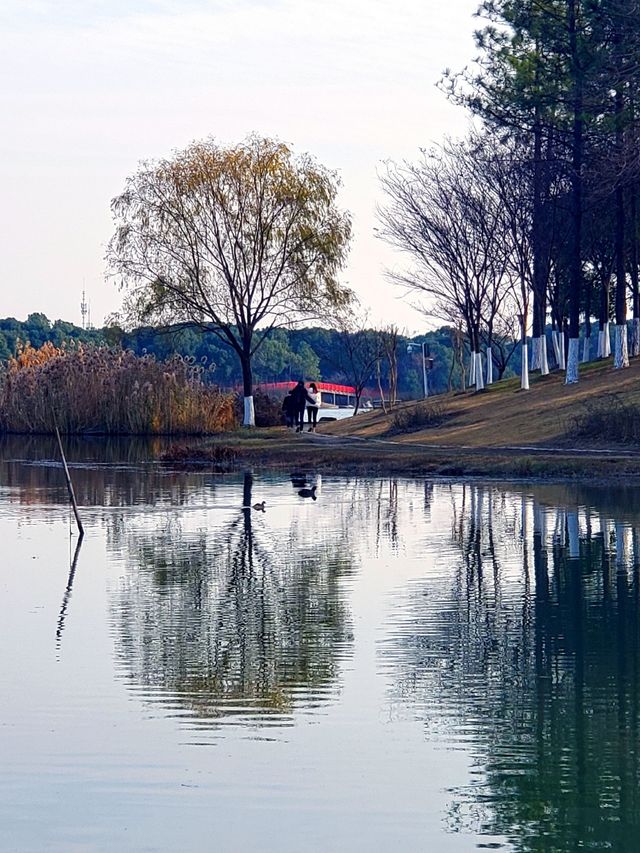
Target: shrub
(86,388)
(430,413)
(610,419)
(268,410)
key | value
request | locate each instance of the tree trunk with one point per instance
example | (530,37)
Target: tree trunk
(478,369)
(577,145)
(621,354)
(621,358)
(538,247)
(249,417)
(604,344)
(524,370)
(393,377)
(544,360)
(573,359)
(524,361)
(557,338)
(381,392)
(489,365)
(535,351)
(635,336)
(633,263)
(586,344)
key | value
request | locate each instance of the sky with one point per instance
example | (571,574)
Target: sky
(92,88)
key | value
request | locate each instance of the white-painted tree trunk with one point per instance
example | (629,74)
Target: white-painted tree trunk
(489,366)
(573,359)
(544,360)
(600,342)
(586,349)
(635,336)
(621,358)
(472,370)
(249,412)
(563,364)
(478,372)
(535,354)
(554,341)
(606,341)
(524,367)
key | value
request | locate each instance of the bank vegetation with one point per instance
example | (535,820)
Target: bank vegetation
(90,389)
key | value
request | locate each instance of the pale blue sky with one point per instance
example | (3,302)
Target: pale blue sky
(90,88)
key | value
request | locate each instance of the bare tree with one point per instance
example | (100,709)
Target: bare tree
(389,340)
(440,213)
(359,350)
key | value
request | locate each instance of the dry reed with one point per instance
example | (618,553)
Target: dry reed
(96,389)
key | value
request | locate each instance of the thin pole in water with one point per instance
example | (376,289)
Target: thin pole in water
(72,496)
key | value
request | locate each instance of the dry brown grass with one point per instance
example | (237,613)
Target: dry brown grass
(101,390)
(426,414)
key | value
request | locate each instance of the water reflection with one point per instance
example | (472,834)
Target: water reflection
(503,619)
(232,623)
(68,591)
(526,654)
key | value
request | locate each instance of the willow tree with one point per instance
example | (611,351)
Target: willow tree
(236,240)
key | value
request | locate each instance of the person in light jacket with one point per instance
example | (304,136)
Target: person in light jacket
(315,400)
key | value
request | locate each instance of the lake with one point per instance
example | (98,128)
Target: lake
(399,664)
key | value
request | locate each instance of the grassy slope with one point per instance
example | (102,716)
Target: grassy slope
(503,415)
(491,434)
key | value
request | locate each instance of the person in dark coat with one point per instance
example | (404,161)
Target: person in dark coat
(300,400)
(288,410)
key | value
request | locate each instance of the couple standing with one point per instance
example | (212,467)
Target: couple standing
(297,401)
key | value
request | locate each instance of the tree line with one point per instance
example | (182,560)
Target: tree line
(310,353)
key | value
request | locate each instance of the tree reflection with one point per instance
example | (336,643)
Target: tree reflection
(538,676)
(235,621)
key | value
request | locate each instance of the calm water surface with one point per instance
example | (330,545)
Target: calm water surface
(398,665)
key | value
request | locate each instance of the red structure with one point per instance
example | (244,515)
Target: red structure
(332,393)
(332,387)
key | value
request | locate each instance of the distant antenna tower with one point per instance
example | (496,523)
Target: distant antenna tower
(84,309)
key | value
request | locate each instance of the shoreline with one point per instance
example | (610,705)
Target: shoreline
(277,450)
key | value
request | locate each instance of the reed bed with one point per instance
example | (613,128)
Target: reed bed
(85,388)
